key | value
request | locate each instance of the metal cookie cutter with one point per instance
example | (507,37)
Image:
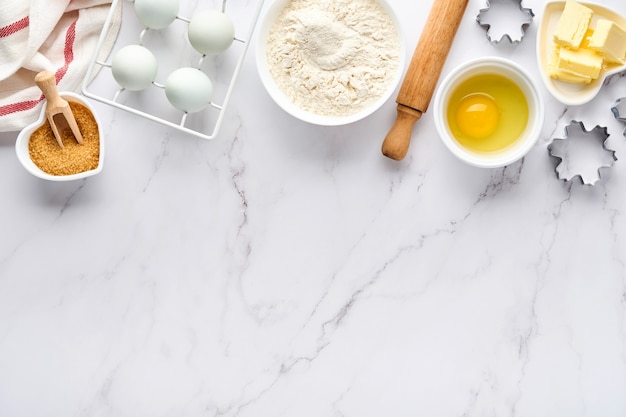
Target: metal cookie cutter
(619,109)
(500,16)
(579,153)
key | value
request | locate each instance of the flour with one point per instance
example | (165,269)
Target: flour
(333,57)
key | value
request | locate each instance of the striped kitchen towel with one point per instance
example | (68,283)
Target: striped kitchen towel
(54,35)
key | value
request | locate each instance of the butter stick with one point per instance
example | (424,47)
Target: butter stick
(570,77)
(609,39)
(563,74)
(580,65)
(572,25)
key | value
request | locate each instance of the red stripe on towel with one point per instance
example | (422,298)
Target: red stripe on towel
(68,52)
(14,27)
(17,107)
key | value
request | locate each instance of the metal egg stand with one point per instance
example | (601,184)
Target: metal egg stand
(97,65)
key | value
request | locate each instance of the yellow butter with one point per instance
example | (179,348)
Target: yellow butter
(564,74)
(582,64)
(609,39)
(569,76)
(572,25)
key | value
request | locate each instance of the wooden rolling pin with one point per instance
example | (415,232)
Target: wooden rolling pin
(423,73)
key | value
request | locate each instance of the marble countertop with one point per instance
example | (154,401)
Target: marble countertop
(286,269)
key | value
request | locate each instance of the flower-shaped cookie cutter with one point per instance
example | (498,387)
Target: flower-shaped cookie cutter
(619,109)
(582,153)
(500,16)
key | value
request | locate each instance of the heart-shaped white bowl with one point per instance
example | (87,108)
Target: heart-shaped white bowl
(571,93)
(21,144)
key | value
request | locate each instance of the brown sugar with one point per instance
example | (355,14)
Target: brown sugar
(74,157)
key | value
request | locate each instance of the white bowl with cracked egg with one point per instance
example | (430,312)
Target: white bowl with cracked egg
(339,57)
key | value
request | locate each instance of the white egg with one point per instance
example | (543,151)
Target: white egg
(156,14)
(188,89)
(210,32)
(134,67)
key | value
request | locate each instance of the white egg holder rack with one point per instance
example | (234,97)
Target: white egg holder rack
(178,119)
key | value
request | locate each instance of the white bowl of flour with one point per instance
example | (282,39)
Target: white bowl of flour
(330,63)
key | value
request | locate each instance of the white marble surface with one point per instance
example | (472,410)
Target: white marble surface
(285,269)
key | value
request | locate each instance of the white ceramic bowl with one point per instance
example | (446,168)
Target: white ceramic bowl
(21,144)
(286,104)
(510,70)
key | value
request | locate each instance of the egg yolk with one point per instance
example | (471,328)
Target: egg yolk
(477,115)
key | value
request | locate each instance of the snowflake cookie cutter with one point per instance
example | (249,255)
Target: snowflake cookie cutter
(501,15)
(582,153)
(619,109)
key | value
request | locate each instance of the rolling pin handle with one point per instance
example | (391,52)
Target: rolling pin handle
(396,143)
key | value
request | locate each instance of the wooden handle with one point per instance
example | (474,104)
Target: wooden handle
(46,81)
(430,53)
(425,67)
(396,143)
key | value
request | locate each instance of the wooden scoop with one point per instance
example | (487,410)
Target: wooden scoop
(46,81)
(423,73)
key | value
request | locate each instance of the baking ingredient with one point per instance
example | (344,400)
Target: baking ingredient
(477,115)
(188,89)
(134,67)
(583,63)
(156,14)
(581,52)
(73,158)
(210,32)
(572,25)
(333,58)
(609,39)
(487,112)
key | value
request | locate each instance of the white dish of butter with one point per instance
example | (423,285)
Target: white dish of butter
(579,44)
